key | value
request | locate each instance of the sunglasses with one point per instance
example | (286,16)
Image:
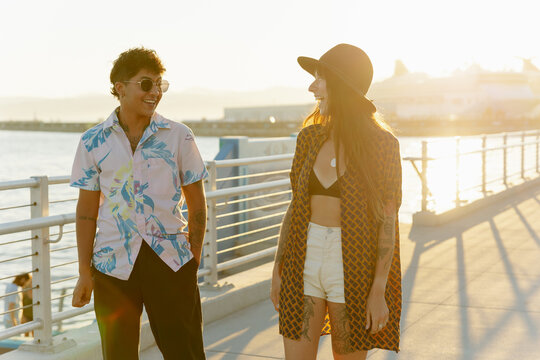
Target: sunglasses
(147,84)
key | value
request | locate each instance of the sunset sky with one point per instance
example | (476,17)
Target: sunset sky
(66,48)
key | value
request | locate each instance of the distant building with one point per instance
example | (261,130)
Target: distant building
(277,113)
(472,93)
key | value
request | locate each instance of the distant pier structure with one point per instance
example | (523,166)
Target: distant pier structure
(37,125)
(272,114)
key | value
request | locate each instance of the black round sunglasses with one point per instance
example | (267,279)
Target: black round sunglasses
(147,84)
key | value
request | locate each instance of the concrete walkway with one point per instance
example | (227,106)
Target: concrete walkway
(471,291)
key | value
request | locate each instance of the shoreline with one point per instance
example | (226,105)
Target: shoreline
(286,129)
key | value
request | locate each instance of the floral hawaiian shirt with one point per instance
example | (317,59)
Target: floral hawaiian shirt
(141,192)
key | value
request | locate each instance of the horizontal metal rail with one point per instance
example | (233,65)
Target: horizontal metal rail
(64,264)
(55,180)
(251,220)
(17,207)
(20,329)
(246,259)
(246,189)
(37,223)
(63,248)
(61,201)
(263,207)
(277,172)
(248,233)
(18,184)
(482,151)
(253,160)
(15,293)
(273,237)
(229,202)
(19,257)
(64,279)
(13,275)
(18,241)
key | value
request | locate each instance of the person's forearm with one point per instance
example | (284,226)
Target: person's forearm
(282,241)
(197,229)
(196,204)
(86,231)
(385,246)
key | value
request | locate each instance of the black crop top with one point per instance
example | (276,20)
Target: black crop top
(316,188)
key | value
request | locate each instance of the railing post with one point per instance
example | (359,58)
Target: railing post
(484,141)
(424,175)
(458,200)
(523,155)
(505,159)
(41,264)
(210,241)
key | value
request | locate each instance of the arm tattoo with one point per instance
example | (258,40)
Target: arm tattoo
(388,225)
(196,228)
(89,218)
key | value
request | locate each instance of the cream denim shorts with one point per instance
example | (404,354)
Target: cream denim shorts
(323,269)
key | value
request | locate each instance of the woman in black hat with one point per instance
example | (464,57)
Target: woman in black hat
(337,267)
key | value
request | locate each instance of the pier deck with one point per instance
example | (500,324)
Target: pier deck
(471,291)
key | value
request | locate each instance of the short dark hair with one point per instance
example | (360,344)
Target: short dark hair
(21,279)
(130,62)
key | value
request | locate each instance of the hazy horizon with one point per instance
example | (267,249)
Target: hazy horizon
(63,48)
(193,104)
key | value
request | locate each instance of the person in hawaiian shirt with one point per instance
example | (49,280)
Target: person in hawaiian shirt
(134,171)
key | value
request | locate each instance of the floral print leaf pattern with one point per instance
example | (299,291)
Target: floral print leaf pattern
(190,176)
(89,174)
(105,264)
(95,137)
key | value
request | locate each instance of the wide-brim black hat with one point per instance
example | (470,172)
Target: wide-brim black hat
(349,63)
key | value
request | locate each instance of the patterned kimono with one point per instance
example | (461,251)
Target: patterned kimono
(359,236)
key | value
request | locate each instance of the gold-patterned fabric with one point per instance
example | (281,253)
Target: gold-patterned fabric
(359,230)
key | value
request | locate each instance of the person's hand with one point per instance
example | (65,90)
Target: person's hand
(275,288)
(83,290)
(376,309)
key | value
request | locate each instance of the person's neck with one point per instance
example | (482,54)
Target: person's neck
(131,122)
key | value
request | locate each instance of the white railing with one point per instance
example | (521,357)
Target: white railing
(239,196)
(492,173)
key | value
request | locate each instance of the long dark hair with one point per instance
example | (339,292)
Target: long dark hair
(354,123)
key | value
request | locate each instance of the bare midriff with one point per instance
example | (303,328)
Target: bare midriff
(325,210)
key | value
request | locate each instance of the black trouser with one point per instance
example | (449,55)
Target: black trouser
(172,302)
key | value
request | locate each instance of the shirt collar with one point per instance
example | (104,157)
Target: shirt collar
(157,122)
(112,121)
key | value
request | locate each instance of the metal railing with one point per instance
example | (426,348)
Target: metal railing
(526,145)
(238,221)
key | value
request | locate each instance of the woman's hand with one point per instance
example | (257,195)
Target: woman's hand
(275,288)
(376,309)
